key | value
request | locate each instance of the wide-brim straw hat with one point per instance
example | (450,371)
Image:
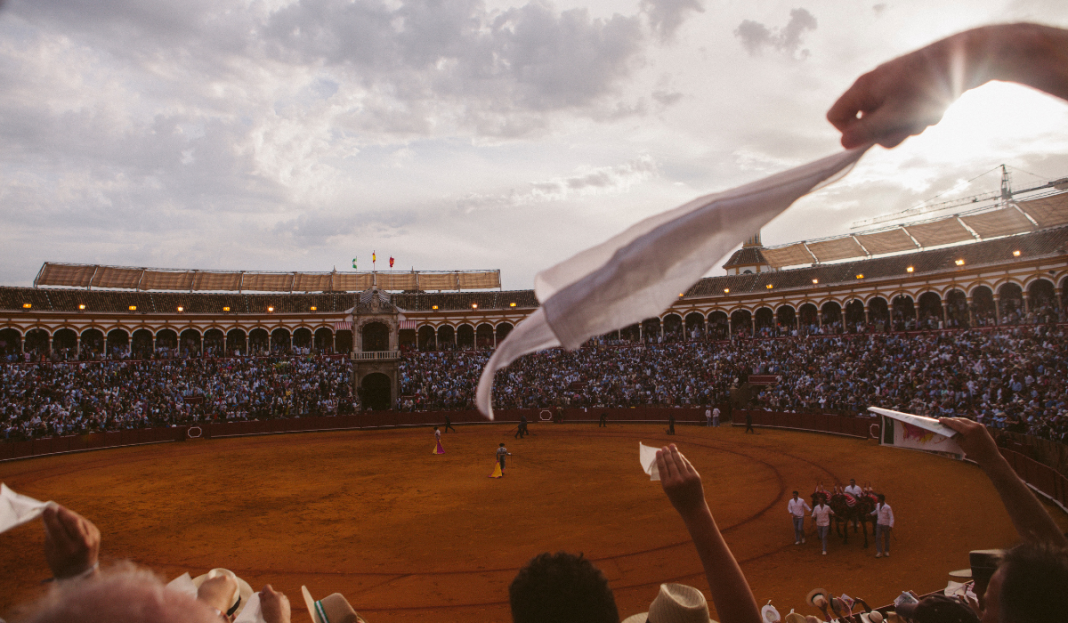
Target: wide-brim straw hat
(241,595)
(676,603)
(810,599)
(333,608)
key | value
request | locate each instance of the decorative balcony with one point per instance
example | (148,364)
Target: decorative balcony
(377,355)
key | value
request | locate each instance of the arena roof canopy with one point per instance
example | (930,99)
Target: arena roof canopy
(91,276)
(1007,219)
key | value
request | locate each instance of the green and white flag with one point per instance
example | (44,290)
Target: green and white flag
(354,263)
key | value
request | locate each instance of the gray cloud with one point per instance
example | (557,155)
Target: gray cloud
(665,16)
(756,36)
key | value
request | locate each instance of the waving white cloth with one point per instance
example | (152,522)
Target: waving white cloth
(17,509)
(640,272)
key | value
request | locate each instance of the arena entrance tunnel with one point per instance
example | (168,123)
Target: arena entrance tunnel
(376,392)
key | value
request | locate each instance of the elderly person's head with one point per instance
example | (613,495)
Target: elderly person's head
(123,595)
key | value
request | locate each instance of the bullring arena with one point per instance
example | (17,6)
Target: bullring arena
(165,405)
(407,535)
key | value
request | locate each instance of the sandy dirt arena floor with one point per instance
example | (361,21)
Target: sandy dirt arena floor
(407,535)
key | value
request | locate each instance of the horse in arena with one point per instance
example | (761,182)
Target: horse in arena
(849,509)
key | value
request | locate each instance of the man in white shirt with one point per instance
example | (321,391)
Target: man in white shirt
(822,514)
(708,417)
(884,523)
(715,417)
(856,492)
(797,507)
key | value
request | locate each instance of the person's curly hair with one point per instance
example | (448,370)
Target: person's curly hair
(561,588)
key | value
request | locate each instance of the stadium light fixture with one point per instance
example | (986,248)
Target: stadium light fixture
(1016,253)
(226,309)
(180,309)
(960,262)
(815,281)
(860,275)
(474,305)
(434,307)
(270,310)
(910,269)
(314,308)
(769,286)
(511,305)
(27,305)
(726,290)
(81,306)
(133,307)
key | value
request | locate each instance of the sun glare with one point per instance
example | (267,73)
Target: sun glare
(994,118)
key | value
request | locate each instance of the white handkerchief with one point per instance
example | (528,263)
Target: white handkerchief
(252,612)
(16,509)
(640,272)
(919,432)
(183,584)
(647,457)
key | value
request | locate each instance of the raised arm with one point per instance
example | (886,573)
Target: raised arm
(731,595)
(1028,515)
(72,543)
(902,97)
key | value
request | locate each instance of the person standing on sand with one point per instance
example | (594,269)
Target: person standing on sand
(501,453)
(448,425)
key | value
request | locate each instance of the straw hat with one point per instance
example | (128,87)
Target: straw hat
(676,603)
(330,609)
(241,595)
(815,593)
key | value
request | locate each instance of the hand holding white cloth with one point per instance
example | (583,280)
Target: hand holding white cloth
(640,272)
(16,509)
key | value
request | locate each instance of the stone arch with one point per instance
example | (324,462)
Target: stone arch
(853,314)
(673,327)
(214,342)
(465,336)
(302,337)
(1010,303)
(484,335)
(236,342)
(984,311)
(651,329)
(425,337)
(503,329)
(92,342)
(786,316)
(190,342)
(929,312)
(259,341)
(117,342)
(36,341)
(10,344)
(831,314)
(879,313)
(957,308)
(695,325)
(742,323)
(141,343)
(903,312)
(1041,300)
(809,316)
(323,340)
(718,325)
(446,335)
(167,338)
(765,322)
(374,337)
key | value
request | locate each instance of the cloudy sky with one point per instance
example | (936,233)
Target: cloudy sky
(458,134)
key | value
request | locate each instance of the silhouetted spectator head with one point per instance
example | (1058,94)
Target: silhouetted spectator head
(562,588)
(1030,586)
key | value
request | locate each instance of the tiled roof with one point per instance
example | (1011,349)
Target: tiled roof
(746,256)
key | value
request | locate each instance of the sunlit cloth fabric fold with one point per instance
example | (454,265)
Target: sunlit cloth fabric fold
(17,509)
(640,272)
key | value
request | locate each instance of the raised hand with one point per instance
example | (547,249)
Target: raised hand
(72,542)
